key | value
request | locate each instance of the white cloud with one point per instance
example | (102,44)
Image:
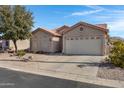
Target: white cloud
(118,11)
(95,7)
(101,17)
(85,12)
(116,27)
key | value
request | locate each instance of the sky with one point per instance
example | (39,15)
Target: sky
(53,16)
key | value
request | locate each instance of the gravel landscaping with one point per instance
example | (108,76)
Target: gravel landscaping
(109,71)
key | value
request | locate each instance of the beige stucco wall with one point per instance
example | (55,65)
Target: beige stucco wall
(55,44)
(21,44)
(42,41)
(87,32)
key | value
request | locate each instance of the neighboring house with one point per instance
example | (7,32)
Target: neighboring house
(8,44)
(3,44)
(81,38)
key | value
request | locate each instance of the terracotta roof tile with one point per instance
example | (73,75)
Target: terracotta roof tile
(48,31)
(61,29)
(102,25)
(64,29)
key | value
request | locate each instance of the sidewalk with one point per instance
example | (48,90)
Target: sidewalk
(35,68)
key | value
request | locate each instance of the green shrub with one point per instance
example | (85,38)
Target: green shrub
(117,54)
(21,53)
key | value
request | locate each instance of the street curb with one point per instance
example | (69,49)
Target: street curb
(79,78)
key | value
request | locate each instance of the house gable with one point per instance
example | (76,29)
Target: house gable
(83,31)
(86,25)
(46,31)
(61,29)
(39,34)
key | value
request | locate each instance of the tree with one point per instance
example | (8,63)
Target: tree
(15,23)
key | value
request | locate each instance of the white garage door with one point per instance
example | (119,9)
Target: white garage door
(83,46)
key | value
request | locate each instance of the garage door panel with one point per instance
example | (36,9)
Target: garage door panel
(85,46)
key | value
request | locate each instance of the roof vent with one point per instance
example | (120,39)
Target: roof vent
(81,28)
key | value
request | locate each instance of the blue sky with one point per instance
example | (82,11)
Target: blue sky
(57,15)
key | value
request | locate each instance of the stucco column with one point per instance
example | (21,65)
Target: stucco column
(63,47)
(103,46)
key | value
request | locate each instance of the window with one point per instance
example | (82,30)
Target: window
(71,38)
(97,37)
(87,38)
(67,38)
(81,38)
(92,37)
(55,39)
(81,28)
(76,38)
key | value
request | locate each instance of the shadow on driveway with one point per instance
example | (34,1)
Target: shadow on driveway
(82,64)
(79,64)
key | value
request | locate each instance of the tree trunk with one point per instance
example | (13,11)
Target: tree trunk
(14,41)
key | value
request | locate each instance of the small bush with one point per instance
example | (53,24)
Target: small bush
(116,56)
(21,53)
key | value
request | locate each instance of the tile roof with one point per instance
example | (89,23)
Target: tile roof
(61,29)
(47,31)
(102,25)
(64,29)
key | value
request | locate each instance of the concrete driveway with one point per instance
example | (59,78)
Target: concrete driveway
(76,64)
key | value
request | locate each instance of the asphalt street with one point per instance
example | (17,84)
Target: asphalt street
(15,79)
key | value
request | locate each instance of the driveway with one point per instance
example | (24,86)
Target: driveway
(75,64)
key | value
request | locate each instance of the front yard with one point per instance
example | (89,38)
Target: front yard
(78,68)
(109,71)
(113,67)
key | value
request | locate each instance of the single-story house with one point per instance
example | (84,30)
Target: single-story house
(81,38)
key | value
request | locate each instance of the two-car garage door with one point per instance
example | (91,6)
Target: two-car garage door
(83,46)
